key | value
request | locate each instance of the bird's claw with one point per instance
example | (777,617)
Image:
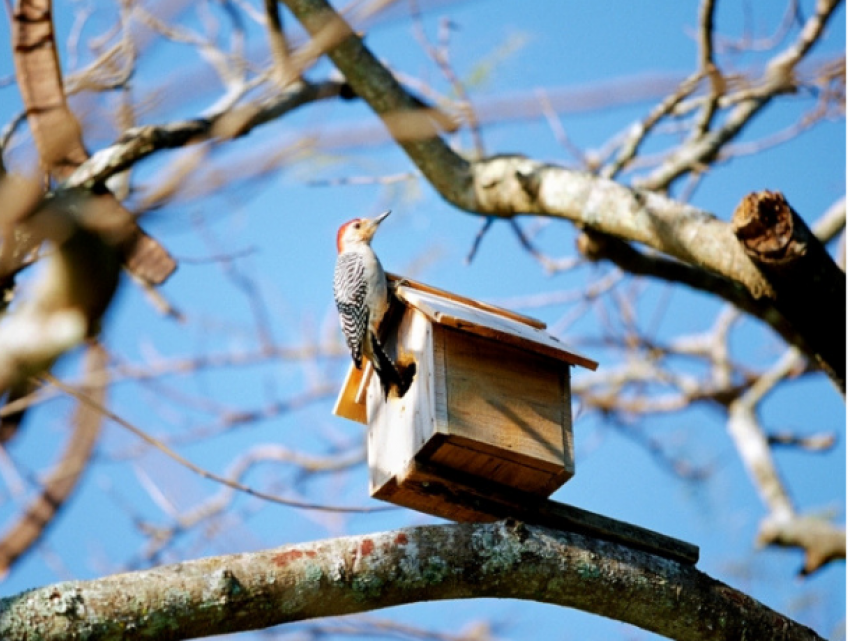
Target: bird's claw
(401,282)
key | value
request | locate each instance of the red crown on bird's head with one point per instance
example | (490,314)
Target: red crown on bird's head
(369,227)
(341,231)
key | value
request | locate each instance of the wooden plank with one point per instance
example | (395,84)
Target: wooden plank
(453,496)
(576,519)
(416,335)
(363,388)
(504,397)
(441,393)
(398,427)
(478,321)
(442,293)
(513,470)
(567,409)
(347,404)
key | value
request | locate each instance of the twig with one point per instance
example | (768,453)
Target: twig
(639,131)
(708,69)
(440,56)
(64,477)
(777,78)
(92,403)
(560,133)
(277,42)
(479,236)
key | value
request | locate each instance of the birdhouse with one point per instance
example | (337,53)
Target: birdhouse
(488,405)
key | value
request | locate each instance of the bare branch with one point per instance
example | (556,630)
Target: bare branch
(822,541)
(440,55)
(57,133)
(140,142)
(809,442)
(832,222)
(358,573)
(277,42)
(708,69)
(506,186)
(608,247)
(638,132)
(777,79)
(752,444)
(92,403)
(64,477)
(70,296)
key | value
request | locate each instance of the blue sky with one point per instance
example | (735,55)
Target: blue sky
(286,225)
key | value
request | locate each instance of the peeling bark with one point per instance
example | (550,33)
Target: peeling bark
(362,573)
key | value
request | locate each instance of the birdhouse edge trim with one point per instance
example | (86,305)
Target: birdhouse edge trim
(460,315)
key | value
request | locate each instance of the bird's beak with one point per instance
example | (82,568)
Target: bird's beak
(373,224)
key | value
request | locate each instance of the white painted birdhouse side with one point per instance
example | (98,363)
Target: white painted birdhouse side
(489,404)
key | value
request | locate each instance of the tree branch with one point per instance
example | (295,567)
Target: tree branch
(505,186)
(57,134)
(820,540)
(809,287)
(65,475)
(597,246)
(360,573)
(277,43)
(778,79)
(138,143)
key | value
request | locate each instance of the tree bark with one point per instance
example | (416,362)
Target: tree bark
(809,288)
(362,573)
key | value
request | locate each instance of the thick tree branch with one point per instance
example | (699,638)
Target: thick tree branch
(361,573)
(510,185)
(809,287)
(505,186)
(597,246)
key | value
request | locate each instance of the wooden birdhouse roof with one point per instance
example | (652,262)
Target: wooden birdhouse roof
(488,321)
(466,315)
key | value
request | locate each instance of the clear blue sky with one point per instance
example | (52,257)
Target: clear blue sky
(288,223)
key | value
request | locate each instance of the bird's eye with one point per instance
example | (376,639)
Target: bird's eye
(356,225)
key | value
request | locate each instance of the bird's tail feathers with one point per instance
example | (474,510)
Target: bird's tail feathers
(386,370)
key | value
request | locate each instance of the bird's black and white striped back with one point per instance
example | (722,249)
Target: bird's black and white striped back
(349,292)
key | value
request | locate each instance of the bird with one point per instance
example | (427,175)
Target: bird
(361,296)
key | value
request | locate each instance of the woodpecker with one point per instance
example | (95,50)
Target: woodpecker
(360,292)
